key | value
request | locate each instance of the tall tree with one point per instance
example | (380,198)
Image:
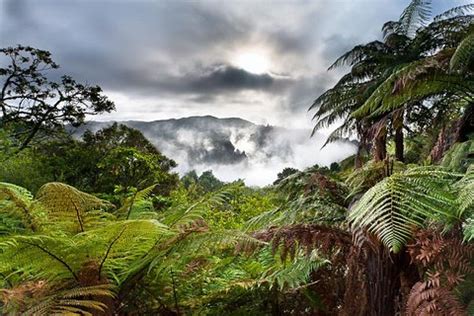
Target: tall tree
(374,96)
(33,105)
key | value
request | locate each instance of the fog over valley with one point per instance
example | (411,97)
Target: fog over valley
(234,148)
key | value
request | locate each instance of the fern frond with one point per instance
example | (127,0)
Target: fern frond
(67,204)
(457,158)
(16,212)
(415,15)
(466,191)
(358,54)
(456,11)
(464,54)
(76,301)
(395,206)
(137,198)
(427,299)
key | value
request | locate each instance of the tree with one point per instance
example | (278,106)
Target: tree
(114,157)
(33,106)
(209,182)
(391,78)
(286,172)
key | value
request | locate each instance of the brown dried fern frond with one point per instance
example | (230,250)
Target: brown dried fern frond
(328,240)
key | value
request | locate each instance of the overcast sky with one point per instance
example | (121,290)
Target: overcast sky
(264,61)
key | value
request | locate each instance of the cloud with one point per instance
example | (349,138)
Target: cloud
(230,78)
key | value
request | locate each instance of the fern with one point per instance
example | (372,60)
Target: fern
(295,273)
(395,206)
(68,205)
(457,157)
(76,301)
(456,11)
(139,197)
(466,192)
(415,15)
(463,56)
(16,213)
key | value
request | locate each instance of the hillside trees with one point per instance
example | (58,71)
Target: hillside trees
(114,158)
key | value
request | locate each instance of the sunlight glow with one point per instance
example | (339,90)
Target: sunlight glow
(252,61)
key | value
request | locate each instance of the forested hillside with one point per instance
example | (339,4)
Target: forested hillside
(104,225)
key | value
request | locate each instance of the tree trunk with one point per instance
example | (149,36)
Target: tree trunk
(383,283)
(399,148)
(379,150)
(358,158)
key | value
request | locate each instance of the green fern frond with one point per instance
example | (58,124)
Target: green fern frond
(466,191)
(293,273)
(67,204)
(138,197)
(358,54)
(362,179)
(75,301)
(456,11)
(457,158)
(464,54)
(385,99)
(415,15)
(16,213)
(395,206)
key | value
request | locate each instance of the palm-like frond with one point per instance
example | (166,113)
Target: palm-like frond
(61,257)
(76,301)
(16,212)
(415,15)
(413,82)
(137,198)
(466,191)
(403,201)
(67,204)
(358,54)
(456,11)
(464,54)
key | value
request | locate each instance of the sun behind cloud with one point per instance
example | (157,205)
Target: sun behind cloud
(252,61)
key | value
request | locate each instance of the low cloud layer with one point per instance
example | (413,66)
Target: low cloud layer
(234,148)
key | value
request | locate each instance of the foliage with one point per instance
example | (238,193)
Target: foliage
(31,104)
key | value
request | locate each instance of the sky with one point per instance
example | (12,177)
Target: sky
(264,61)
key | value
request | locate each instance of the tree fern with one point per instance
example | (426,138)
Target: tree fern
(395,206)
(466,192)
(457,158)
(16,212)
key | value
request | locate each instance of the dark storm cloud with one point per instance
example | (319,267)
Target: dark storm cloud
(230,78)
(180,54)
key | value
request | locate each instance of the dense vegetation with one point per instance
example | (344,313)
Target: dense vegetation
(101,225)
